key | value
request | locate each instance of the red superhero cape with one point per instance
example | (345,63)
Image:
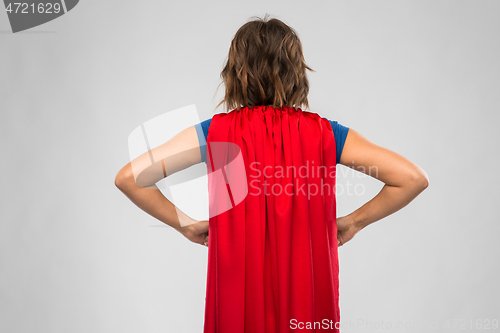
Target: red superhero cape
(272,256)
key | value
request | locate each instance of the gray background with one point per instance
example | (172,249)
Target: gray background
(419,77)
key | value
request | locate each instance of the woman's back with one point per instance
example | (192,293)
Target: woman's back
(273,263)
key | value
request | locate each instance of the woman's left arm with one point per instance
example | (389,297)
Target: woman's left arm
(138,178)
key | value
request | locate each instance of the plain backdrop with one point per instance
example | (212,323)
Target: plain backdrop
(421,78)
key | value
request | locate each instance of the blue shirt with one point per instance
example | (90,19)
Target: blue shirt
(339,131)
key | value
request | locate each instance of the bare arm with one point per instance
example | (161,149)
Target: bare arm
(137,181)
(403,181)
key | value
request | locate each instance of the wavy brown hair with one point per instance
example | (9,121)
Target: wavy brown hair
(265,66)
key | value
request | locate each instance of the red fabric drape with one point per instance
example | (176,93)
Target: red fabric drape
(272,256)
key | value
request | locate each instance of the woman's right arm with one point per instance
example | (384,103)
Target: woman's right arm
(403,181)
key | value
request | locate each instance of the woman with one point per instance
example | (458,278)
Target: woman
(273,233)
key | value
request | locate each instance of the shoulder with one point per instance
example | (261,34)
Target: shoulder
(337,127)
(315,117)
(205,124)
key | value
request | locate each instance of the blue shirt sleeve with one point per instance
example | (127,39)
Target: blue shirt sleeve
(340,134)
(202,131)
(339,131)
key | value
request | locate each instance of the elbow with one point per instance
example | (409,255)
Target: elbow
(122,178)
(422,183)
(425,181)
(419,180)
(119,181)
